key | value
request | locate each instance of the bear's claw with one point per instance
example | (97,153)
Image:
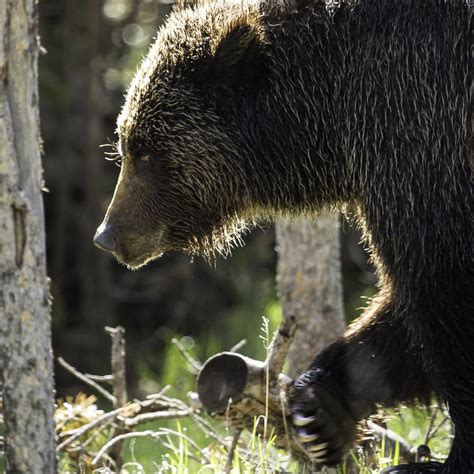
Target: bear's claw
(322,424)
(299,420)
(306,437)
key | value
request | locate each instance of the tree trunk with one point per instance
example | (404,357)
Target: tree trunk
(25,333)
(309,284)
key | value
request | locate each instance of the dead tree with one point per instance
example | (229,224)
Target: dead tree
(25,333)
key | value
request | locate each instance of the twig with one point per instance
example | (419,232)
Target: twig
(174,403)
(195,364)
(238,346)
(406,450)
(230,455)
(151,403)
(160,415)
(159,395)
(92,438)
(279,346)
(438,426)
(169,431)
(121,438)
(119,384)
(430,425)
(193,400)
(118,365)
(100,378)
(207,429)
(87,380)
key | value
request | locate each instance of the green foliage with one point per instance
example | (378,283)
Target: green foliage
(417,425)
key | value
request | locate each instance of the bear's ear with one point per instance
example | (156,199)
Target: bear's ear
(238,59)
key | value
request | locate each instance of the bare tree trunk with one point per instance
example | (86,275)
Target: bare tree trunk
(25,333)
(309,284)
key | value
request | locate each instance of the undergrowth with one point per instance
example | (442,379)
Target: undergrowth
(201,445)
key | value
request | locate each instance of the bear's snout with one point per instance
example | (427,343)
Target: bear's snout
(105,238)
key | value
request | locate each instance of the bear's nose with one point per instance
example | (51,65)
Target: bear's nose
(105,238)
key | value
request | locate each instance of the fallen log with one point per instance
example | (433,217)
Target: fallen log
(251,394)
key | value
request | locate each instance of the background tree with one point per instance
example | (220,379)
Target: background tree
(310,284)
(25,336)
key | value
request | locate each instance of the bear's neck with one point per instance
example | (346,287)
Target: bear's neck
(298,132)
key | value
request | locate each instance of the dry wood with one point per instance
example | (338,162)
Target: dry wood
(86,379)
(239,390)
(160,408)
(119,385)
(118,358)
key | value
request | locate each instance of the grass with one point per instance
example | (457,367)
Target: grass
(188,446)
(257,455)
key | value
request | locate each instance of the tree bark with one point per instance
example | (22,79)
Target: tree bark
(25,333)
(309,284)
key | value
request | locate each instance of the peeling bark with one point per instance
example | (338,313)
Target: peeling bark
(25,333)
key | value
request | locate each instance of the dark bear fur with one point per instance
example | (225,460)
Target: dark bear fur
(244,111)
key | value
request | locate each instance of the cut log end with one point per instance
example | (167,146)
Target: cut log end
(222,378)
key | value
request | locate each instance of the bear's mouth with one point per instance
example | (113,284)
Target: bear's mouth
(134,263)
(131,250)
(135,252)
(135,258)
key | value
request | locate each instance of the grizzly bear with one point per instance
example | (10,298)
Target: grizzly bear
(243,111)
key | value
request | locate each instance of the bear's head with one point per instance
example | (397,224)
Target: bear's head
(182,184)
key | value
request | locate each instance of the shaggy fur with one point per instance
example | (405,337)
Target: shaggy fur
(243,111)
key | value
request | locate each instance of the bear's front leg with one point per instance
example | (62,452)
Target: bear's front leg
(375,363)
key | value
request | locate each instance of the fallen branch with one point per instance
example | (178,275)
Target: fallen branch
(235,388)
(87,380)
(392,439)
(158,404)
(161,415)
(195,364)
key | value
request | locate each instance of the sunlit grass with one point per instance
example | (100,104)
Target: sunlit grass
(255,454)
